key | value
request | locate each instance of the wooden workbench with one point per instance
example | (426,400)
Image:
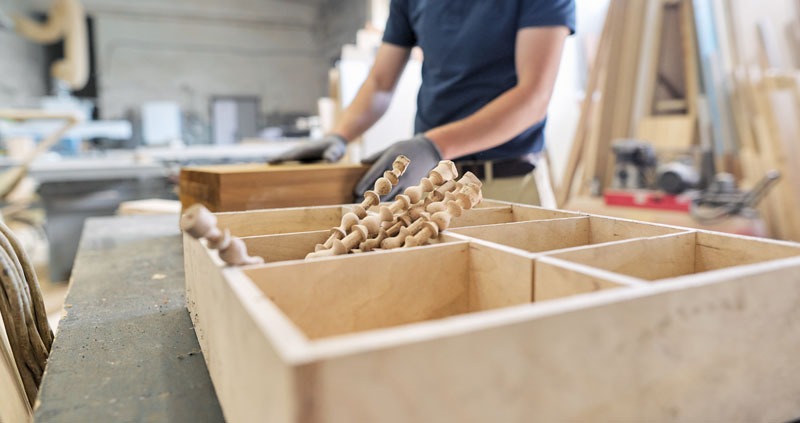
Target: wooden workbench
(126,349)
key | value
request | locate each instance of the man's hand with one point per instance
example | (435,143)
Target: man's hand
(424,156)
(330,149)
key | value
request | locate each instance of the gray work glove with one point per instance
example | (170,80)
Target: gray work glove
(423,154)
(330,149)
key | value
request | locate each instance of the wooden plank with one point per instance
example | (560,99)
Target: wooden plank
(668,132)
(589,111)
(249,187)
(558,279)
(648,63)
(615,19)
(328,297)
(620,115)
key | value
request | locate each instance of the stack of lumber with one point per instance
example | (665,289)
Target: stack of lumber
(670,72)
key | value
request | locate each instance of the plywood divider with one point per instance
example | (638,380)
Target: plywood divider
(607,229)
(483,216)
(280,221)
(716,251)
(522,213)
(283,247)
(499,276)
(328,297)
(556,278)
(534,236)
(556,234)
(646,258)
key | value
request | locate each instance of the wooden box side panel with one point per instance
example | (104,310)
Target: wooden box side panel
(498,277)
(280,221)
(694,351)
(249,187)
(645,258)
(716,251)
(252,381)
(198,187)
(534,236)
(294,186)
(555,278)
(334,296)
(283,247)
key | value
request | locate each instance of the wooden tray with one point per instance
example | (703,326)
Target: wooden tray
(258,186)
(518,314)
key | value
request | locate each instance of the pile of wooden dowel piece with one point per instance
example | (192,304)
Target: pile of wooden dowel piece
(414,218)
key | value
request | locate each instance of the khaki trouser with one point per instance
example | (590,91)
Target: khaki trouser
(516,189)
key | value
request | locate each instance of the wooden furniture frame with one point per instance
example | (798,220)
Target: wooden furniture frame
(517,314)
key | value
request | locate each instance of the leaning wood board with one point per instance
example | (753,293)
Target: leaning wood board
(259,186)
(517,314)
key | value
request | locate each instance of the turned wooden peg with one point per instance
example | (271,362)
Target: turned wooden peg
(416,193)
(373,243)
(438,193)
(429,230)
(393,228)
(416,211)
(199,222)
(401,203)
(469,178)
(345,245)
(445,171)
(398,234)
(397,240)
(339,232)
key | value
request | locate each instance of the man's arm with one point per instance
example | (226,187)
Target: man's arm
(375,94)
(538,54)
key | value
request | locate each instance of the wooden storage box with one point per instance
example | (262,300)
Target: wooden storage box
(519,314)
(258,186)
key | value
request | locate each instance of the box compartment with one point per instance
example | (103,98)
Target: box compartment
(355,293)
(546,235)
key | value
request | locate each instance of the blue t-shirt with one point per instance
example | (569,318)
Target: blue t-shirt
(469,57)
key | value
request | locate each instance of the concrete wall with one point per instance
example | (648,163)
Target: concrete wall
(190,50)
(21,73)
(339,20)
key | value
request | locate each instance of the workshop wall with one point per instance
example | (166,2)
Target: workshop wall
(339,21)
(21,65)
(190,50)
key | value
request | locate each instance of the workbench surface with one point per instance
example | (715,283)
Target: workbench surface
(126,349)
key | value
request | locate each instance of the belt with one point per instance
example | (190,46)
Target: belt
(508,168)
